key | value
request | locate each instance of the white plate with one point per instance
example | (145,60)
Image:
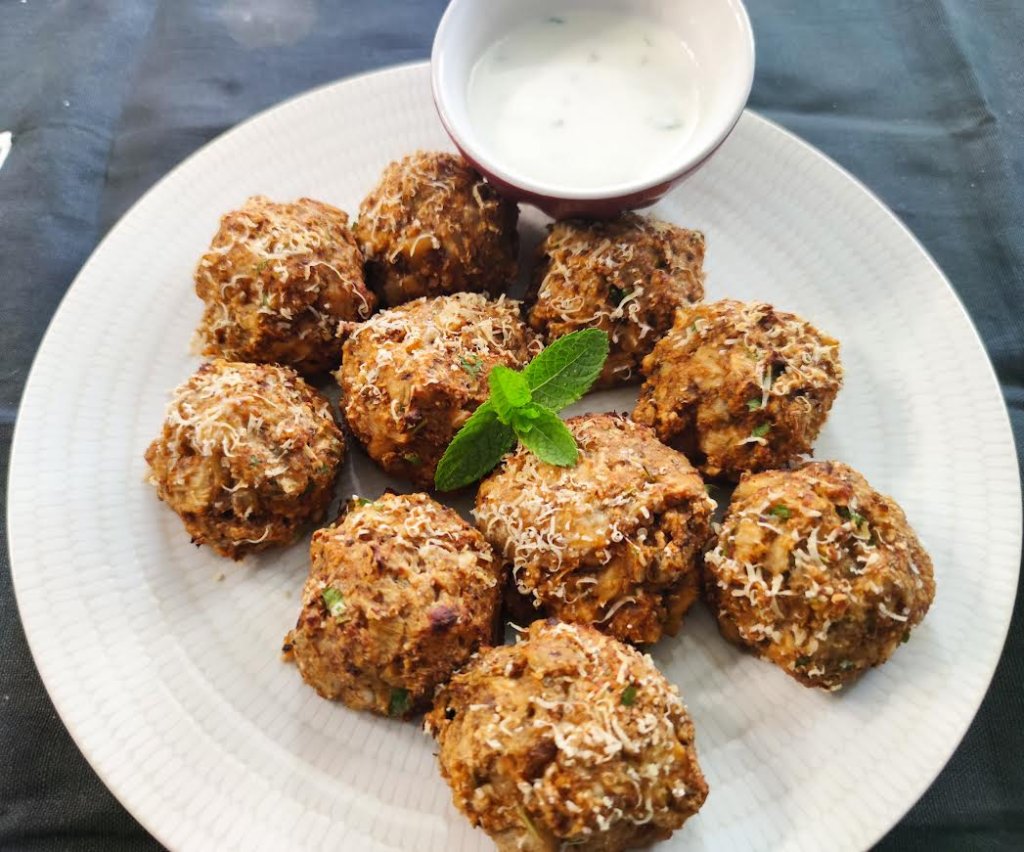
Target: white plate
(163,660)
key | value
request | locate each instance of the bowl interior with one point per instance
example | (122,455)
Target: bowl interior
(716,32)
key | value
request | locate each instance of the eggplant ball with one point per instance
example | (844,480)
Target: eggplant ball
(401,592)
(614,541)
(412,375)
(276,280)
(818,573)
(247,457)
(568,739)
(739,386)
(433,226)
(626,276)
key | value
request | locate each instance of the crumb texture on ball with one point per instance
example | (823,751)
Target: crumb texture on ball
(568,739)
(817,572)
(401,592)
(626,276)
(739,386)
(276,281)
(247,456)
(432,226)
(411,376)
(614,541)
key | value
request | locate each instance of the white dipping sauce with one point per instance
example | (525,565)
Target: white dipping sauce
(585,99)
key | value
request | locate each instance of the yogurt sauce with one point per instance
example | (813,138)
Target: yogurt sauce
(585,99)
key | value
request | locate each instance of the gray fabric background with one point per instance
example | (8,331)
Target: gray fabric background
(921,99)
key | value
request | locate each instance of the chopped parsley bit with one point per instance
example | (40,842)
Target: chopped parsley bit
(780,511)
(906,637)
(334,601)
(325,468)
(618,294)
(398,703)
(628,698)
(472,364)
(255,461)
(849,514)
(413,458)
(363,501)
(845,665)
(761,431)
(802,661)
(263,264)
(753,404)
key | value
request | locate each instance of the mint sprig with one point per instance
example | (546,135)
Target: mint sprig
(523,405)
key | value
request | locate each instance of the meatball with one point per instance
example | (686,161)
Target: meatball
(433,226)
(567,740)
(817,572)
(401,592)
(614,541)
(626,276)
(277,280)
(739,386)
(247,456)
(412,375)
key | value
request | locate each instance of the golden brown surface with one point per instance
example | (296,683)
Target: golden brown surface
(432,225)
(247,456)
(818,573)
(626,276)
(614,541)
(739,386)
(412,375)
(277,279)
(414,591)
(567,740)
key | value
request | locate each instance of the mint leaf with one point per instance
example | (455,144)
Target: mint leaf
(549,439)
(509,391)
(566,369)
(476,449)
(522,418)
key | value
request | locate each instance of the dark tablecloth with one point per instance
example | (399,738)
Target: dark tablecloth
(921,99)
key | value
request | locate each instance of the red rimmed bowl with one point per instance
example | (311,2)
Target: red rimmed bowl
(716,32)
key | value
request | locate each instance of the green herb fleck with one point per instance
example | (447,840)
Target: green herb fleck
(753,404)
(617,295)
(398,703)
(472,364)
(255,461)
(846,665)
(801,662)
(263,264)
(324,468)
(362,501)
(628,698)
(761,431)
(906,637)
(848,514)
(780,511)
(334,601)
(413,459)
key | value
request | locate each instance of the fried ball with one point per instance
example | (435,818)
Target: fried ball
(739,386)
(626,276)
(401,592)
(568,739)
(433,226)
(277,280)
(817,572)
(247,456)
(412,375)
(614,541)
